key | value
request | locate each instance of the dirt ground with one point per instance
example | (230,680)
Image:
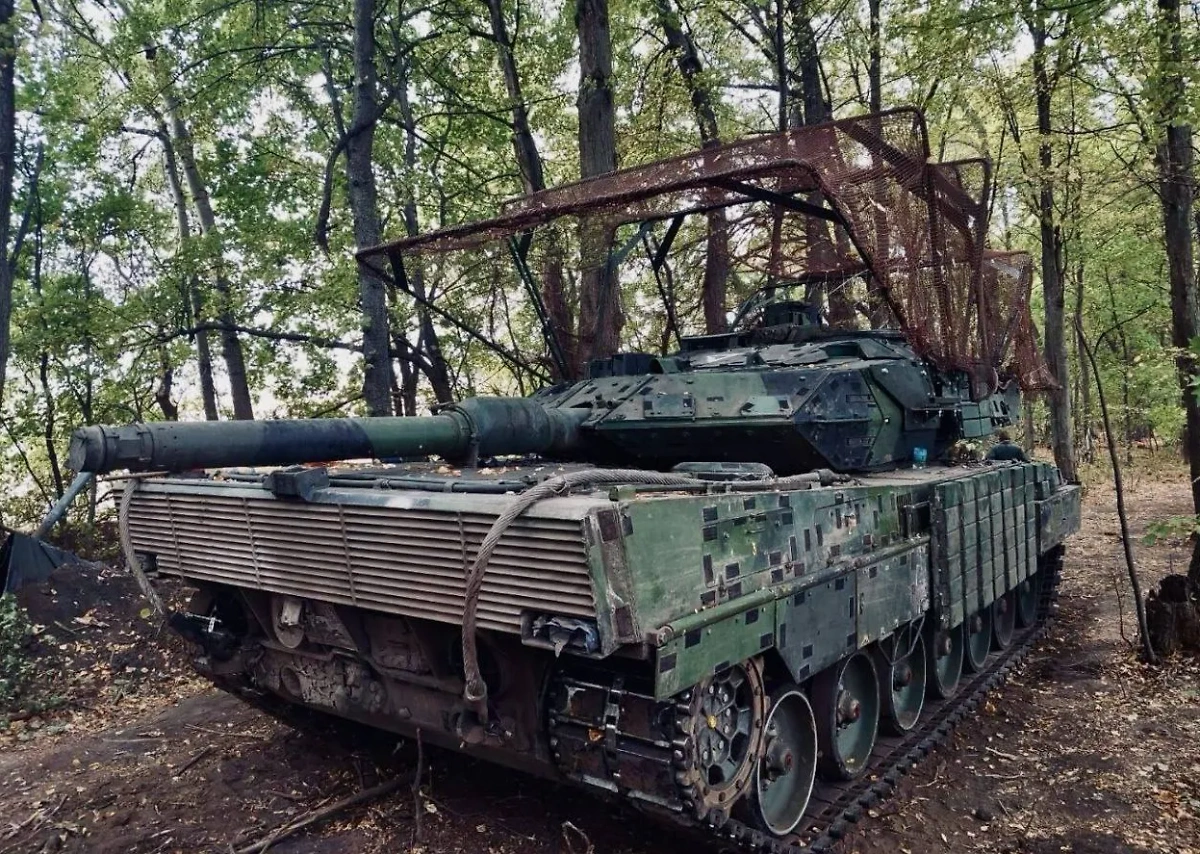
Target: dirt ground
(1083,750)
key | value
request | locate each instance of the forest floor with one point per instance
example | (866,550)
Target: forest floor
(1082,750)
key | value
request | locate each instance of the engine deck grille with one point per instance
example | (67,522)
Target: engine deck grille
(398,559)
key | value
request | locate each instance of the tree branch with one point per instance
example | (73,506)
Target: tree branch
(255,332)
(23,228)
(321,229)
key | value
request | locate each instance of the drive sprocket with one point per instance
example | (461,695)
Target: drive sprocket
(720,725)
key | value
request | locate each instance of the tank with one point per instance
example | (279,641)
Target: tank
(741,586)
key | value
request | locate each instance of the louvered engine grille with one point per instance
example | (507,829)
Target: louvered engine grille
(400,560)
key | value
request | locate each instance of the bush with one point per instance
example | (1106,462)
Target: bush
(15,667)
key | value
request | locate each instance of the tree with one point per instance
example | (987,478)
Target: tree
(811,107)
(433,363)
(195,299)
(533,180)
(1176,190)
(364,206)
(1045,80)
(716,258)
(8,143)
(181,142)
(874,56)
(600,313)
(231,345)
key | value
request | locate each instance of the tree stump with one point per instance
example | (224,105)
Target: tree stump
(1173,615)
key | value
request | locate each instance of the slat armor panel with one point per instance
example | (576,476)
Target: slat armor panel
(404,560)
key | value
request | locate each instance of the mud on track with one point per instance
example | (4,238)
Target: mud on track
(1083,750)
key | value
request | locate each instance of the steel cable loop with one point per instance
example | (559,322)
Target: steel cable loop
(475,688)
(131,558)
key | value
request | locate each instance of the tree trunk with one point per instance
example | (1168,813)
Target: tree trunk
(529,160)
(880,314)
(874,57)
(716,259)
(1125,359)
(49,419)
(822,253)
(364,210)
(1083,413)
(779,48)
(600,315)
(1176,189)
(1119,488)
(435,366)
(533,178)
(716,272)
(1052,279)
(8,130)
(179,152)
(407,393)
(816,108)
(166,382)
(192,295)
(231,346)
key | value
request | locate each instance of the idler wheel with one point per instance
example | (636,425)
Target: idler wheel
(1028,593)
(978,631)
(901,666)
(943,661)
(1004,620)
(846,701)
(787,767)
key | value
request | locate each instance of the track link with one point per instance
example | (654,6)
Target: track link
(834,807)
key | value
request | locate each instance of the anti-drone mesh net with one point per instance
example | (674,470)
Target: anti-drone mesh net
(883,236)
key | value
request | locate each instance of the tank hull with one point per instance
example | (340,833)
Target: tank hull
(603,613)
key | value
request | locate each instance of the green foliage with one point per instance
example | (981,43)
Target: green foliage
(16,669)
(111,286)
(1171,528)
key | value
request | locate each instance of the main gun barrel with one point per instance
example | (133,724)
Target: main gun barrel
(485,426)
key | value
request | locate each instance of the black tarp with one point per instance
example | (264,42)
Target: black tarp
(25,560)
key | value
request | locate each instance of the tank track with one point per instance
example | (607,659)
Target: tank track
(658,765)
(648,752)
(835,807)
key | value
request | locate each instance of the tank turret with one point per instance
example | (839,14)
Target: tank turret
(786,391)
